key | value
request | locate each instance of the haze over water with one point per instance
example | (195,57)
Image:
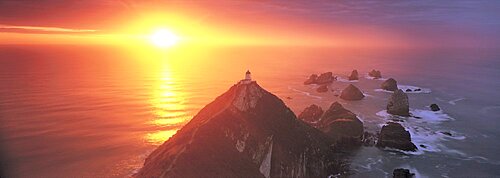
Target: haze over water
(98,111)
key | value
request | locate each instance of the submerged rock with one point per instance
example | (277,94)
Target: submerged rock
(311,80)
(245,132)
(354,75)
(434,107)
(342,125)
(408,90)
(402,173)
(389,85)
(351,92)
(375,74)
(322,89)
(398,104)
(447,133)
(311,114)
(393,135)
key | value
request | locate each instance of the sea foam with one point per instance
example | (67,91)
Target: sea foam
(406,87)
(305,93)
(421,126)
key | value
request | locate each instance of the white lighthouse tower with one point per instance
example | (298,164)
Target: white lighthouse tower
(248,78)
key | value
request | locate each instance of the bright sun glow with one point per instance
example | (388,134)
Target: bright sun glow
(164,38)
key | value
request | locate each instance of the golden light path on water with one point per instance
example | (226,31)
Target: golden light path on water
(168,103)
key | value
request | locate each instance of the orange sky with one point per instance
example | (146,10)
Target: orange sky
(242,22)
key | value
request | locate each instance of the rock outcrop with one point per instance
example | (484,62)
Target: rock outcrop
(245,132)
(354,75)
(389,85)
(434,107)
(375,74)
(311,79)
(324,78)
(398,104)
(351,92)
(311,114)
(322,89)
(402,173)
(341,125)
(393,135)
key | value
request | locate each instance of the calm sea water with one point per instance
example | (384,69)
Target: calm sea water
(98,111)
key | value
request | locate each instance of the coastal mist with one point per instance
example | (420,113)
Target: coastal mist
(99,111)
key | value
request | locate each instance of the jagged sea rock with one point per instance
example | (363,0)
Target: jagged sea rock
(322,89)
(375,74)
(389,85)
(311,114)
(393,135)
(434,107)
(402,173)
(398,104)
(311,79)
(325,78)
(351,92)
(369,139)
(342,125)
(354,75)
(245,132)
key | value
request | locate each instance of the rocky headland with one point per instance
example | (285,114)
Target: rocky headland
(245,132)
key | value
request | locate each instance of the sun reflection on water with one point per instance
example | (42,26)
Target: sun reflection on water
(169,109)
(157,138)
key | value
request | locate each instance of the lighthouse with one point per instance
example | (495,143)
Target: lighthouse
(248,78)
(248,75)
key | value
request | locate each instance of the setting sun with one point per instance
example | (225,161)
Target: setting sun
(249,88)
(164,38)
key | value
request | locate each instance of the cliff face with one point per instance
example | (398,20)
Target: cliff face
(245,132)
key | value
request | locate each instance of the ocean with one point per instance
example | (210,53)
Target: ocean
(98,111)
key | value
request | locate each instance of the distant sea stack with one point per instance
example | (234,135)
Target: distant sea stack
(311,79)
(390,85)
(354,75)
(393,135)
(351,92)
(375,74)
(398,104)
(324,78)
(245,132)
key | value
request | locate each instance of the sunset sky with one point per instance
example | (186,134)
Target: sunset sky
(339,23)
